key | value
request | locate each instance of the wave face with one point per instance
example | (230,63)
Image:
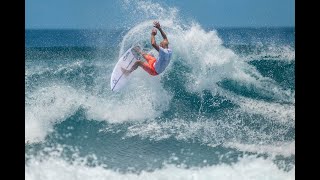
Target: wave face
(224,108)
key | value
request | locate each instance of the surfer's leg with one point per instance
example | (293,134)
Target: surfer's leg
(139,51)
(148,68)
(150,59)
(134,67)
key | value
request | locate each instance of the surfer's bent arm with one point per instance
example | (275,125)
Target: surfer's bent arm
(153,40)
(163,34)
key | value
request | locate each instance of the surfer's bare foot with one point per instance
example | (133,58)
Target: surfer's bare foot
(125,72)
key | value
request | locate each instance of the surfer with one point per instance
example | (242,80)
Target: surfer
(153,66)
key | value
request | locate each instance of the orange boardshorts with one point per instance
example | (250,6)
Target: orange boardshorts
(149,66)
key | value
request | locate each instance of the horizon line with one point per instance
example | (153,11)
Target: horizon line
(217,27)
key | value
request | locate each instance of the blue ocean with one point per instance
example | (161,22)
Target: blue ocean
(223,109)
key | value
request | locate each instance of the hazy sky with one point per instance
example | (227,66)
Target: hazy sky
(88,14)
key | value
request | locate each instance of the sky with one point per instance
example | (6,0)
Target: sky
(105,14)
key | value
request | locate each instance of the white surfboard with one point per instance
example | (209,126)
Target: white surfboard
(126,61)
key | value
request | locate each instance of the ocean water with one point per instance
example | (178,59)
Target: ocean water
(223,109)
